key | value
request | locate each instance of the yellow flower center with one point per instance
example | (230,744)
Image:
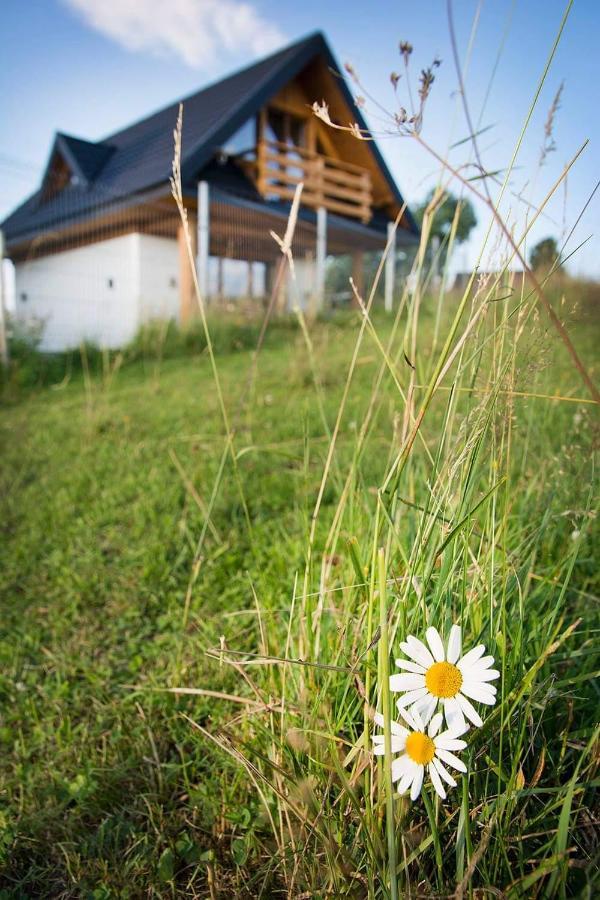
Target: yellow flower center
(443,679)
(420,748)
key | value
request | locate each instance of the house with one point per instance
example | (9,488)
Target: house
(99,249)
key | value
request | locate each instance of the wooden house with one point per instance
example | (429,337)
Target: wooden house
(98,249)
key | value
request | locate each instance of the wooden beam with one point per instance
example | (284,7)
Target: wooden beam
(187,293)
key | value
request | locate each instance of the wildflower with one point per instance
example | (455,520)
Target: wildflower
(443,676)
(423,750)
(406,49)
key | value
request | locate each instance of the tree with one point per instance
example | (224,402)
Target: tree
(543,256)
(444,210)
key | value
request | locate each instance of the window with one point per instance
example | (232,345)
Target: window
(243,141)
(57,177)
(285,128)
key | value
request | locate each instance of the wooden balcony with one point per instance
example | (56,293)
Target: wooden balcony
(338,186)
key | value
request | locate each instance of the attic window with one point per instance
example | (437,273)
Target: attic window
(58,176)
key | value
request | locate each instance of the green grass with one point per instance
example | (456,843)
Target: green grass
(113,787)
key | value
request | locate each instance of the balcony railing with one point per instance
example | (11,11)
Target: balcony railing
(338,186)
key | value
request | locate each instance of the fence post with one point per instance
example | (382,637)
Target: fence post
(3,340)
(390,266)
(203,239)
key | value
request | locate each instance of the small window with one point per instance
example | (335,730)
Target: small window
(23,297)
(243,141)
(111,283)
(285,128)
(172,282)
(57,177)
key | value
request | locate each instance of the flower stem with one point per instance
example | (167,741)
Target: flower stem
(384,681)
(434,833)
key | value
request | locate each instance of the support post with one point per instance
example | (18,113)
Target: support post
(250,281)
(390,267)
(270,272)
(321,256)
(220,281)
(203,239)
(358,274)
(187,294)
(3,339)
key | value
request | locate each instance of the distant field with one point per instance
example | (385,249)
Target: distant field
(108,599)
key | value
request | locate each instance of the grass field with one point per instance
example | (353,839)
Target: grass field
(118,587)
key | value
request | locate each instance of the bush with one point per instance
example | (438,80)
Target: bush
(31,368)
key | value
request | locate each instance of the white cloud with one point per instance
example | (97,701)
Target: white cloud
(196,31)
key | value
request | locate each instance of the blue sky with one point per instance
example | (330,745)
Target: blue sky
(87,67)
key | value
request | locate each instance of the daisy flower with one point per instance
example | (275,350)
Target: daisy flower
(436,675)
(423,750)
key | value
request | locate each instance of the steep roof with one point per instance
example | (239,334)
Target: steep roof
(138,159)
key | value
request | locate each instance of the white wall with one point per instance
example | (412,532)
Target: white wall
(159,278)
(100,293)
(86,294)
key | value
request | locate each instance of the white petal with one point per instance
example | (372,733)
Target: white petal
(490,688)
(437,782)
(406,682)
(405,782)
(395,728)
(435,642)
(414,711)
(484,663)
(451,759)
(491,695)
(403,765)
(409,666)
(470,657)
(447,741)
(417,783)
(411,697)
(484,675)
(443,772)
(454,714)
(454,644)
(426,708)
(397,746)
(409,718)
(476,692)
(418,651)
(470,711)
(435,725)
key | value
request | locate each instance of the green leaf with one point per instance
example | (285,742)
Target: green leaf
(239,851)
(166,865)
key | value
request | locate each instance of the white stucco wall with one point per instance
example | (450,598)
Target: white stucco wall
(159,278)
(86,294)
(100,293)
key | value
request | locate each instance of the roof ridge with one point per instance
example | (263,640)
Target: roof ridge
(82,140)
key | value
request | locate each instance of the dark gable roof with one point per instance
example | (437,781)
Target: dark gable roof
(138,159)
(85,158)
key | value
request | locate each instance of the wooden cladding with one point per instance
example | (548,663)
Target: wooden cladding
(339,187)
